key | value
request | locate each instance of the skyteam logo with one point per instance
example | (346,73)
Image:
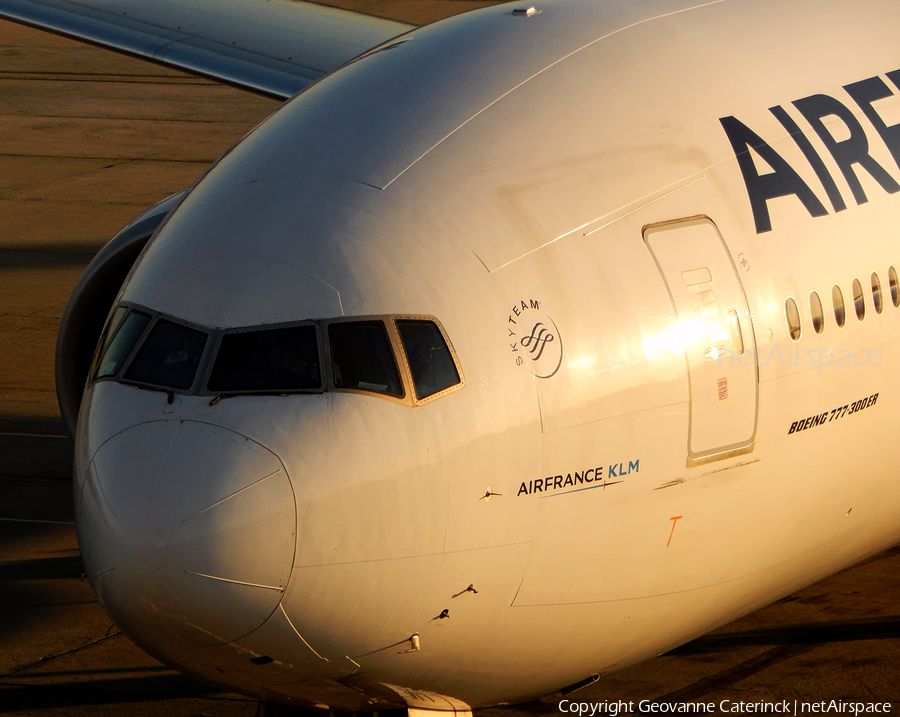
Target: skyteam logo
(534,339)
(537,340)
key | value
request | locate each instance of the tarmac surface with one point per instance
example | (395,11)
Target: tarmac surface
(88,140)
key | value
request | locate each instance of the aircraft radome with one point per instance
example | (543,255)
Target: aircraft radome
(527,345)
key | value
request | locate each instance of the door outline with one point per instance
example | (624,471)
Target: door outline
(744,445)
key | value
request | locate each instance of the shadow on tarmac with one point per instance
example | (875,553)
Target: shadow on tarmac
(62,568)
(36,448)
(881,628)
(103,692)
(47,256)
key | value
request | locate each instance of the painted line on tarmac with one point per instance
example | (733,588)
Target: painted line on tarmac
(27,520)
(34,434)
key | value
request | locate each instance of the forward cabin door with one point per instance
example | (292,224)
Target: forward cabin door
(715,330)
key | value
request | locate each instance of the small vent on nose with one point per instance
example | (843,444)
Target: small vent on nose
(262,660)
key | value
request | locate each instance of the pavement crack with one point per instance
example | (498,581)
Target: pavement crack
(50,658)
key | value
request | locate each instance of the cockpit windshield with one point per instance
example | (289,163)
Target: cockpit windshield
(361,357)
(169,357)
(407,359)
(270,360)
(121,336)
(430,361)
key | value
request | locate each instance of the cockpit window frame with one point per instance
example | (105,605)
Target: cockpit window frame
(110,328)
(222,333)
(155,317)
(106,338)
(407,370)
(215,337)
(396,349)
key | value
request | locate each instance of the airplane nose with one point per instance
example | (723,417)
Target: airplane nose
(189,526)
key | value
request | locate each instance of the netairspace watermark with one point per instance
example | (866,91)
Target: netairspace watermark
(795,708)
(819,359)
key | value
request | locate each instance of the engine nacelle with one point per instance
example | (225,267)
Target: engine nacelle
(91,301)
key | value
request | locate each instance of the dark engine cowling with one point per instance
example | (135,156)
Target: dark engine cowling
(91,301)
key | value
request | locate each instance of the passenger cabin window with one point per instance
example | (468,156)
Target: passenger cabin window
(859,300)
(876,293)
(815,310)
(430,361)
(895,288)
(121,337)
(361,357)
(837,298)
(792,313)
(793,318)
(169,357)
(273,360)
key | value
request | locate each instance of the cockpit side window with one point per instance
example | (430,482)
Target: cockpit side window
(111,328)
(169,357)
(121,336)
(430,361)
(274,360)
(362,359)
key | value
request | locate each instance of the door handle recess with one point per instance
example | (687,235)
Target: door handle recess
(735,324)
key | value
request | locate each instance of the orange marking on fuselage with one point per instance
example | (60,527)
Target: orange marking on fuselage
(674,520)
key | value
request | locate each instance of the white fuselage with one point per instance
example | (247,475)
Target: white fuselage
(622,470)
